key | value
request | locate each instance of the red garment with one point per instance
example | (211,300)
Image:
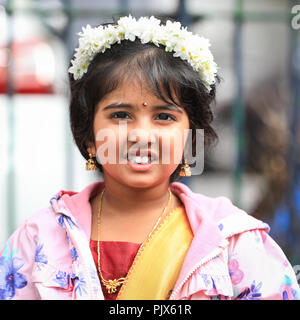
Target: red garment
(116,260)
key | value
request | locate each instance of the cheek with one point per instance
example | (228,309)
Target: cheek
(172,145)
(110,145)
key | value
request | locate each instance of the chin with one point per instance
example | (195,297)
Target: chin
(137,180)
(140,182)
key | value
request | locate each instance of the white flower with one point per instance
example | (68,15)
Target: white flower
(110,34)
(149,30)
(177,39)
(127,28)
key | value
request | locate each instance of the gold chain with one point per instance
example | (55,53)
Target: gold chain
(112,285)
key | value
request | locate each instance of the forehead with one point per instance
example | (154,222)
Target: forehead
(137,90)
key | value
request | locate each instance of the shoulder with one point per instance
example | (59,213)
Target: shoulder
(222,209)
(216,208)
(37,256)
(33,225)
(41,229)
(41,223)
(229,218)
(216,212)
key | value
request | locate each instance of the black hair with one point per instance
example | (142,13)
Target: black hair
(163,73)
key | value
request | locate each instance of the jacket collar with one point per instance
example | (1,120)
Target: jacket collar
(76,205)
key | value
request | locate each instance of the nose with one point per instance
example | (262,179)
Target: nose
(143,132)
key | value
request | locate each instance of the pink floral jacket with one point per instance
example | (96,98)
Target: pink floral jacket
(231,256)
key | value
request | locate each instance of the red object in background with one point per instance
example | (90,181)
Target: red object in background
(32,67)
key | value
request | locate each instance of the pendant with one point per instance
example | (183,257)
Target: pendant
(185,171)
(112,285)
(90,165)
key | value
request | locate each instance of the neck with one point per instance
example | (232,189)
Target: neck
(124,208)
(123,199)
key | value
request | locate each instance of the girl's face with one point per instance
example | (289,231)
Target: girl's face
(158,127)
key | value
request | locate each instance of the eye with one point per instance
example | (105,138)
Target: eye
(122,115)
(165,116)
(117,115)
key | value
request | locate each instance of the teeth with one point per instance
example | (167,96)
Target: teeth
(139,159)
(145,159)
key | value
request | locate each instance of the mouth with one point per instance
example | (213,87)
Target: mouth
(142,157)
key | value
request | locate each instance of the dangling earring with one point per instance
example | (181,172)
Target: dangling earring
(90,164)
(185,170)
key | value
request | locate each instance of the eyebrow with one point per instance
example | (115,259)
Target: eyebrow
(129,106)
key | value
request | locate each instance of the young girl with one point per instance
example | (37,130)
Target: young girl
(140,233)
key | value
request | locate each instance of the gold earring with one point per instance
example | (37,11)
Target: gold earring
(90,164)
(185,170)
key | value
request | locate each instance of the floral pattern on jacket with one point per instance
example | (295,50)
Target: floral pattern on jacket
(10,279)
(238,261)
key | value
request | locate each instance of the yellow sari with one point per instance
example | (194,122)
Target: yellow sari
(156,267)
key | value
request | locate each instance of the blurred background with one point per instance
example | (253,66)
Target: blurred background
(256,44)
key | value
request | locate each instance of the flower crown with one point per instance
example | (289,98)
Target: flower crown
(186,45)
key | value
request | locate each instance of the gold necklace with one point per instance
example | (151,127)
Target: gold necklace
(112,285)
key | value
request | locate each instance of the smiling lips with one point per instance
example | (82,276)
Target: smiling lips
(142,155)
(141,160)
